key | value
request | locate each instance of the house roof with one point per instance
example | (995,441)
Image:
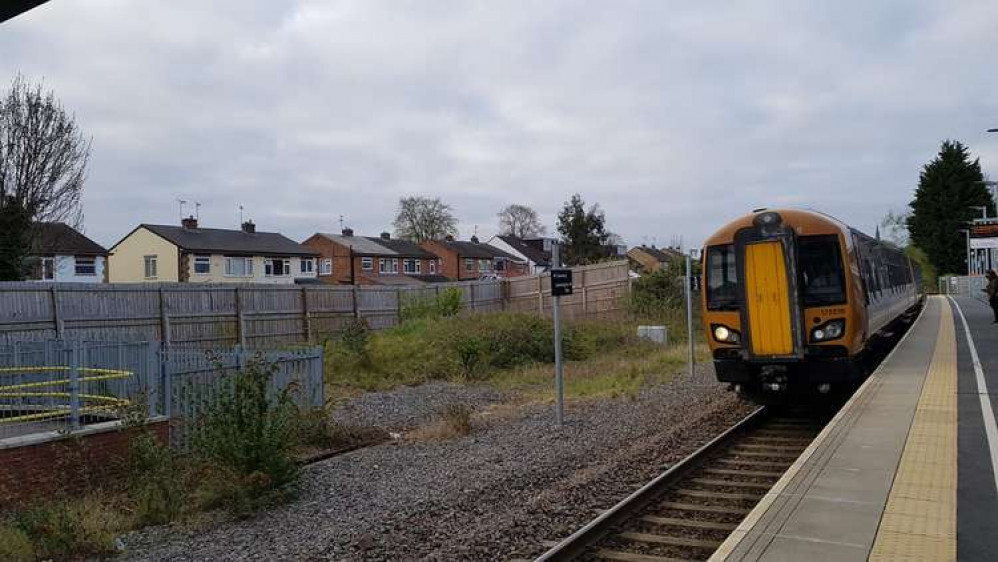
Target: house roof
(403,248)
(660,254)
(475,249)
(229,241)
(60,238)
(530,251)
(377,246)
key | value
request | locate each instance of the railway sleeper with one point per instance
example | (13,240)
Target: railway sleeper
(710,494)
(718,509)
(746,473)
(770,447)
(783,466)
(731,483)
(621,556)
(690,523)
(764,454)
(670,541)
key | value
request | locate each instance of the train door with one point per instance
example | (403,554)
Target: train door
(767,299)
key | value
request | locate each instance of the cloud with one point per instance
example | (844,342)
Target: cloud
(673,118)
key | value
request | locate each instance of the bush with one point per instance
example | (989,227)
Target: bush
(355,337)
(69,528)
(15,546)
(154,480)
(656,294)
(247,433)
(447,303)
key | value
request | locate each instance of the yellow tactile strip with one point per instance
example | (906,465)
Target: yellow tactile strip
(919,522)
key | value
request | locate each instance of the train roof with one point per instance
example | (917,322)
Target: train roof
(808,219)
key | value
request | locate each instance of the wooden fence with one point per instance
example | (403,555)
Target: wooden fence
(269,315)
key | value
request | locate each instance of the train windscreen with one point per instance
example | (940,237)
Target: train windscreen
(821,275)
(722,278)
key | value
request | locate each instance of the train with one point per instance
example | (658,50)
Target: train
(794,301)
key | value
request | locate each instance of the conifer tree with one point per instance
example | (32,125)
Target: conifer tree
(949,187)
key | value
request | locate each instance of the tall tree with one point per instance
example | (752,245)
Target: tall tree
(422,218)
(520,221)
(583,232)
(949,187)
(43,165)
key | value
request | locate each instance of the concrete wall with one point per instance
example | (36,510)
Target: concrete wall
(127,263)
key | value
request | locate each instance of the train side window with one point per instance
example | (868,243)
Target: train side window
(722,278)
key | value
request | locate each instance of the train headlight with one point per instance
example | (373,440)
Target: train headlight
(725,334)
(829,331)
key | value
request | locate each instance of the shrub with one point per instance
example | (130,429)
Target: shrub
(154,480)
(70,528)
(657,293)
(246,432)
(453,420)
(447,303)
(355,337)
(15,545)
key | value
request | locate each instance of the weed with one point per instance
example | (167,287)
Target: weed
(355,337)
(72,528)
(246,431)
(447,303)
(154,480)
(453,420)
(15,545)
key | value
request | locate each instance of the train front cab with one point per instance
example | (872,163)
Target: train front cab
(777,305)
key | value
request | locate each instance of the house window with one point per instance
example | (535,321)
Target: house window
(433,266)
(419,266)
(48,269)
(150,269)
(326,266)
(202,265)
(410,266)
(307,265)
(483,265)
(85,266)
(276,267)
(469,264)
(239,267)
(367,264)
(383,265)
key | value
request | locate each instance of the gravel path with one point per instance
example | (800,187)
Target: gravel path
(496,494)
(407,407)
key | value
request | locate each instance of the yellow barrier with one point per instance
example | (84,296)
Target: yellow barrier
(110,402)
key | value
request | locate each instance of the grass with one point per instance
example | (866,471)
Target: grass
(453,420)
(508,351)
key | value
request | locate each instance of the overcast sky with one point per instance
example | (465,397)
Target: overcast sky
(674,117)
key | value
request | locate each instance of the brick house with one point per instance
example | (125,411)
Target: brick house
(367,260)
(646,259)
(466,260)
(536,252)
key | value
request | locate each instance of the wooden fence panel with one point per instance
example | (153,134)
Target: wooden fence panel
(201,315)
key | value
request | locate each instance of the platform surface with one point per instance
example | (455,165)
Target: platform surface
(905,471)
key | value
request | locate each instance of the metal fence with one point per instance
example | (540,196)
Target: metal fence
(213,316)
(972,285)
(63,385)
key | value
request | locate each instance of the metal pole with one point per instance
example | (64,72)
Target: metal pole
(74,386)
(691,340)
(969,266)
(559,367)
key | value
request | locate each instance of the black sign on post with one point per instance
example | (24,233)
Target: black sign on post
(561,282)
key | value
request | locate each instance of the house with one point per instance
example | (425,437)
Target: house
(461,261)
(536,252)
(60,253)
(366,260)
(190,254)
(646,259)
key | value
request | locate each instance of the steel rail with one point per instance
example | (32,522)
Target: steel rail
(573,546)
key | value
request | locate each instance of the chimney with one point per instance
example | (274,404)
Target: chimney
(249,227)
(347,232)
(449,238)
(474,240)
(190,223)
(386,236)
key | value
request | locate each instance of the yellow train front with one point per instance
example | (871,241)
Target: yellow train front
(794,299)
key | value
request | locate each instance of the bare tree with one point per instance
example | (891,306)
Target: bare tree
(421,218)
(896,227)
(520,221)
(43,165)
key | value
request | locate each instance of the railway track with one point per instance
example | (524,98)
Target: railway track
(686,512)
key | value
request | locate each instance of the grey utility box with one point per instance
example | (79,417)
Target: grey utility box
(657,334)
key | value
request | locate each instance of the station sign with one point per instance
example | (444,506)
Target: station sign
(561,282)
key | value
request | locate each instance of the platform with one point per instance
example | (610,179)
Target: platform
(905,470)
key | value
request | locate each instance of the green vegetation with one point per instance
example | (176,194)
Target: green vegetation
(508,350)
(447,303)
(244,458)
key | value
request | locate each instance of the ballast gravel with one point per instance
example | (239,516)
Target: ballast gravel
(407,407)
(517,483)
